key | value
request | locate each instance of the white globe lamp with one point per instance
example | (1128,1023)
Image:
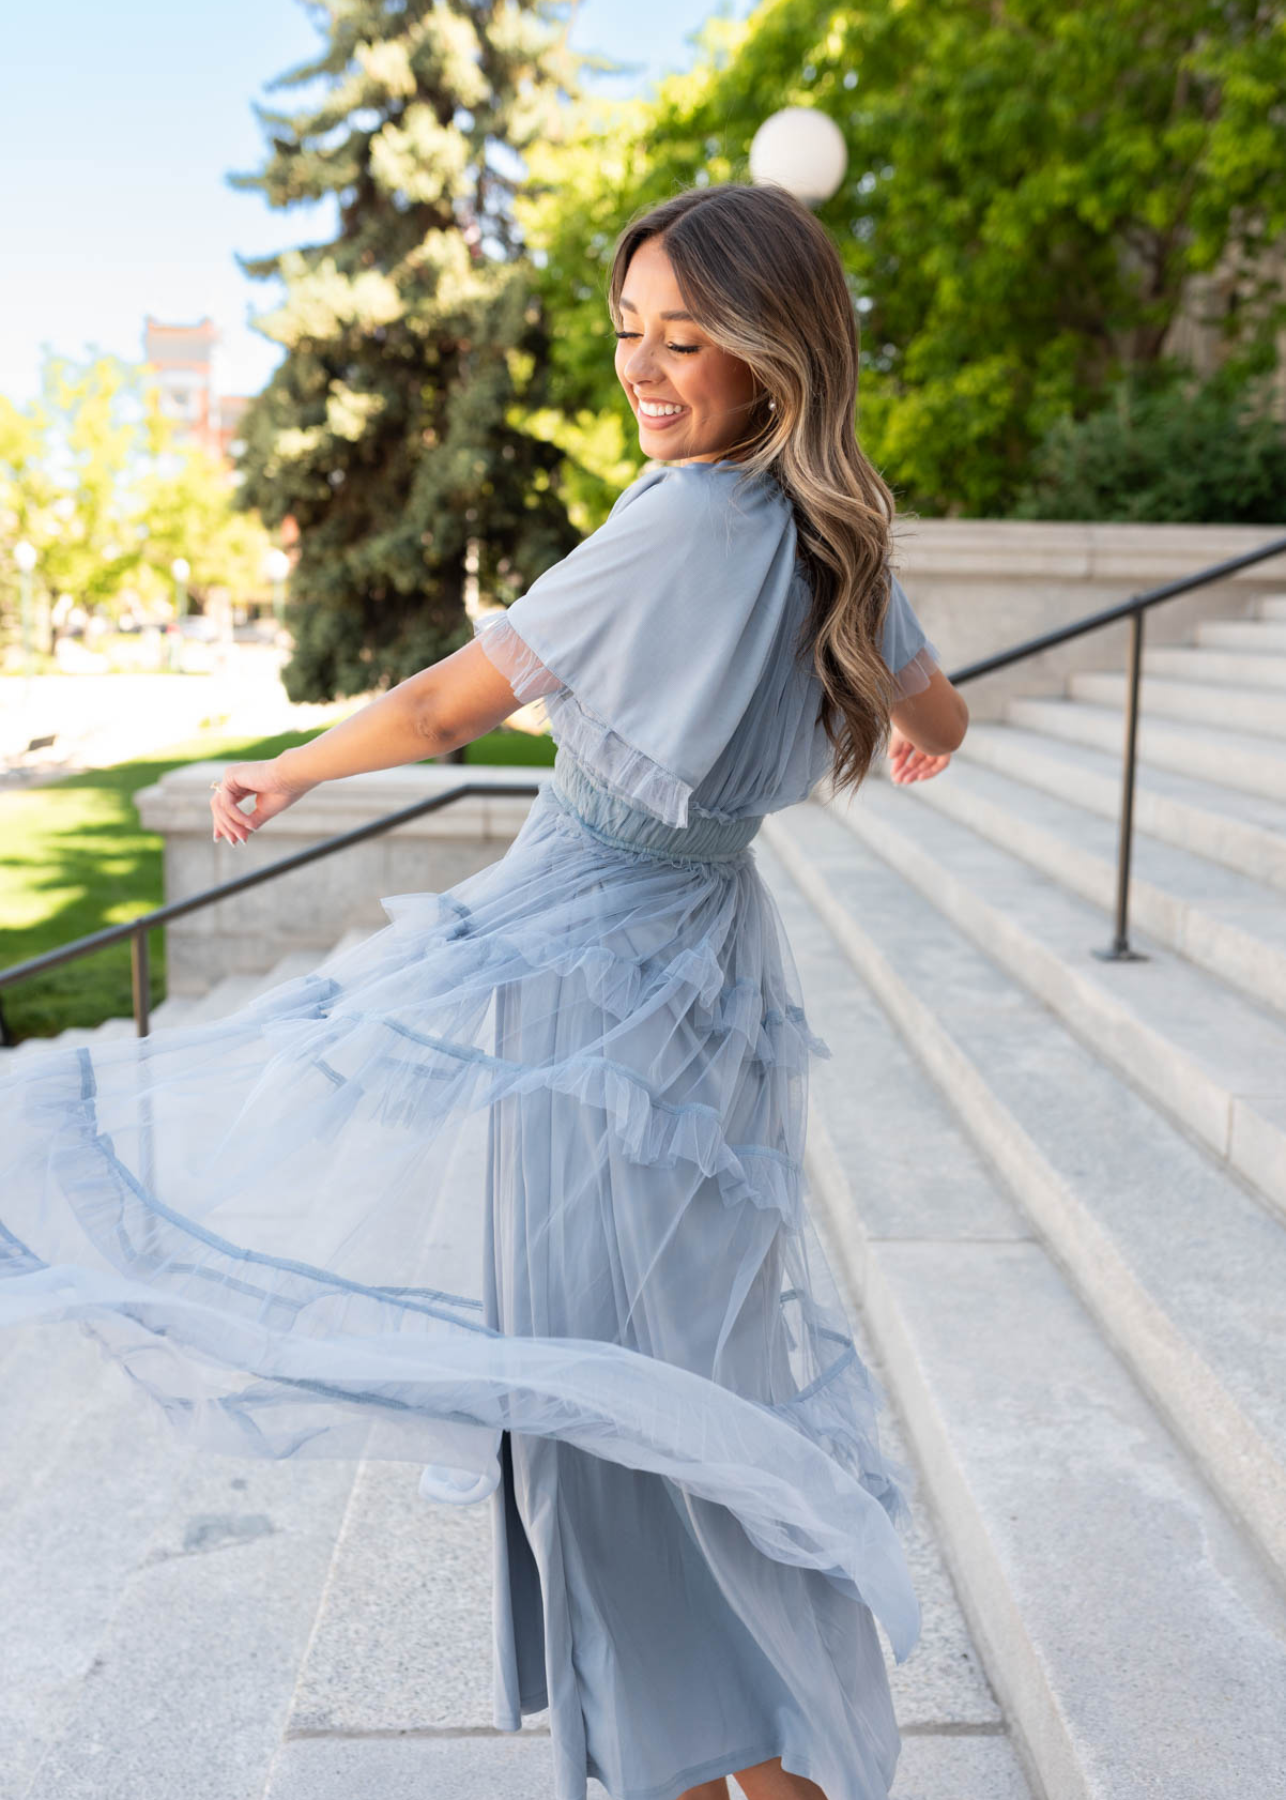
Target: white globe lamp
(802,150)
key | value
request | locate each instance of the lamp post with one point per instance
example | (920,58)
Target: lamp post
(24,555)
(180,569)
(802,150)
(277,568)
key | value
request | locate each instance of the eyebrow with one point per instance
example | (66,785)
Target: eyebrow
(629,306)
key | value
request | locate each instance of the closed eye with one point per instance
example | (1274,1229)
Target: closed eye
(685,349)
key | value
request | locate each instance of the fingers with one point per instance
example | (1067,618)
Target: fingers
(920,767)
(229,820)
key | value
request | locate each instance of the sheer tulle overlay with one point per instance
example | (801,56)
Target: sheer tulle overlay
(520,1177)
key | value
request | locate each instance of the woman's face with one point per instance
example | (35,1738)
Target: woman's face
(671,362)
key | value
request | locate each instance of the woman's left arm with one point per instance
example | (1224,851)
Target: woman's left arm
(440,709)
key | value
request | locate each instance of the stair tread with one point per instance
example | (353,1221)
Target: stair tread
(1241,1046)
(1217,665)
(1202,1247)
(1031,1424)
(1218,738)
(1212,887)
(1190,790)
(1098,681)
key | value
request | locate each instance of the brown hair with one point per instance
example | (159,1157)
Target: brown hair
(764,281)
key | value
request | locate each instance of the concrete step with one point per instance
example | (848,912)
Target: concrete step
(1206,1054)
(187,1684)
(1266,634)
(290,968)
(1241,831)
(223,998)
(88,1475)
(1229,668)
(351,939)
(931,1767)
(174,1011)
(1252,709)
(1178,1260)
(1216,917)
(1271,607)
(1134,1639)
(1240,760)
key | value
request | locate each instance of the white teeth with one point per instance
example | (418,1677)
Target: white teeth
(654,411)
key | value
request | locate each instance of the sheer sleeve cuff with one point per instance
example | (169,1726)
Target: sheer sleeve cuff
(914,676)
(516,661)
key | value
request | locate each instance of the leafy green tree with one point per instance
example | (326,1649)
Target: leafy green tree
(1165,448)
(90,474)
(84,442)
(1031,186)
(189,511)
(401,431)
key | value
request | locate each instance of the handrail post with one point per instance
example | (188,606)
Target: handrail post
(1119,949)
(141,980)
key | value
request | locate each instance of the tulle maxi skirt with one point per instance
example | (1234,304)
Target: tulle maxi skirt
(514,1190)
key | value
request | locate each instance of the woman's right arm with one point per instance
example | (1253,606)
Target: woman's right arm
(927,727)
(438,710)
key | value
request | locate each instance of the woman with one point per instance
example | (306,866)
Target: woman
(617,1325)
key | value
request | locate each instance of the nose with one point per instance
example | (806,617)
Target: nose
(639,364)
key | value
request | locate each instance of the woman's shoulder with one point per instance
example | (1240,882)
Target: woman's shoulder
(687,501)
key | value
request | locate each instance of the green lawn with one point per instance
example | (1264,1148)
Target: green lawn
(75,859)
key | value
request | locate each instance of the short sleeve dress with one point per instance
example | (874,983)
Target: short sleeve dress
(514,1190)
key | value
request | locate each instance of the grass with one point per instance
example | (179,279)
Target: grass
(76,859)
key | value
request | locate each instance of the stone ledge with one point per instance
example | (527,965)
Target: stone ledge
(251,932)
(180,802)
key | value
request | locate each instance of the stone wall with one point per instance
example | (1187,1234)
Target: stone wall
(982,585)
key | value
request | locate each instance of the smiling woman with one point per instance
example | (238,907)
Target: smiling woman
(516,1187)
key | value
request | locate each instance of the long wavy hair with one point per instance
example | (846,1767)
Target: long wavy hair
(764,281)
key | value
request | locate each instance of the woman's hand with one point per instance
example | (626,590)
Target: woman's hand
(906,763)
(273,788)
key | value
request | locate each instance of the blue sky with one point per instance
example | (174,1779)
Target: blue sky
(118,124)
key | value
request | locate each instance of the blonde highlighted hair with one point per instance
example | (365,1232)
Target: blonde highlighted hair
(762,278)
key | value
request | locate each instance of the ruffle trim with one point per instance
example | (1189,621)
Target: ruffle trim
(623,770)
(914,676)
(616,765)
(649,1131)
(620,985)
(515,659)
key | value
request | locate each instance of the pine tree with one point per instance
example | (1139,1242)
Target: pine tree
(393,430)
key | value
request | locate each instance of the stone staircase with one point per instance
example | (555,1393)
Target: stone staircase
(1057,1185)
(1055,1188)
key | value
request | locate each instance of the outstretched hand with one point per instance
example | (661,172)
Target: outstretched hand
(907,764)
(273,792)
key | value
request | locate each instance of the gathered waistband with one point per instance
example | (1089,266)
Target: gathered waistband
(615,822)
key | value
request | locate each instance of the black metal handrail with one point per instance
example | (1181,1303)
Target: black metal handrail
(1133,609)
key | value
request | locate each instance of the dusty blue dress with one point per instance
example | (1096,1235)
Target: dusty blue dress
(514,1190)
